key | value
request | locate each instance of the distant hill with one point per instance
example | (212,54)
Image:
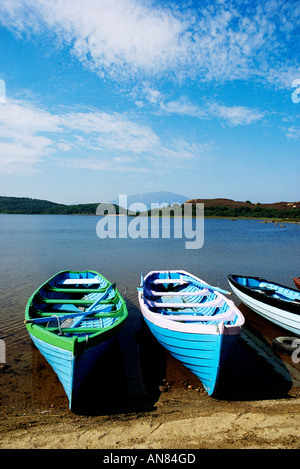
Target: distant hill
(27,205)
(212,207)
(232,208)
(237,204)
(24,205)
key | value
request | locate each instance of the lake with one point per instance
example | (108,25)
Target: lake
(35,247)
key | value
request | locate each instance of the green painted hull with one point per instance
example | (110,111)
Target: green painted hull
(72,324)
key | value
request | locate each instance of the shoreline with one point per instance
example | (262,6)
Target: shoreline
(258,219)
(264,424)
(182,418)
(257,406)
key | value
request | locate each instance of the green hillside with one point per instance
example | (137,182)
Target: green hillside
(24,205)
(224,208)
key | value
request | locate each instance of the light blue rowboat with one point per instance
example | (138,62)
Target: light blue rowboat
(194,321)
(72,319)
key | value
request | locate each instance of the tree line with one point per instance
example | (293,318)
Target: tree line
(23,205)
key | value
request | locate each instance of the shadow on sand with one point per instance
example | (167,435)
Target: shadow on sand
(251,375)
(245,376)
(109,390)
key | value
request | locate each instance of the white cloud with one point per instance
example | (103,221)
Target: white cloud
(182,106)
(180,152)
(293,133)
(108,142)
(120,39)
(113,132)
(111,36)
(232,115)
(23,144)
(235,115)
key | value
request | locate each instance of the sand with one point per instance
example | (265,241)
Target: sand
(180,415)
(180,420)
(156,403)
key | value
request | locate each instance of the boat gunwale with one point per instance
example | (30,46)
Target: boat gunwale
(283,305)
(196,327)
(76,343)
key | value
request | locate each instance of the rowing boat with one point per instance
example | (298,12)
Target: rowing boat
(275,302)
(72,318)
(297,282)
(194,321)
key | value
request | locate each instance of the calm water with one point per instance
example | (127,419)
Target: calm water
(35,247)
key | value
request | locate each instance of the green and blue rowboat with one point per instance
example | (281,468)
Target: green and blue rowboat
(72,319)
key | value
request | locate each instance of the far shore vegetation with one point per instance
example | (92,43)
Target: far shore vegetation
(22,205)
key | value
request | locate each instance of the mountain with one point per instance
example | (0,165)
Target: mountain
(162,198)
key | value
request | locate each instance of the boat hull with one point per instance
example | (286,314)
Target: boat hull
(71,369)
(203,354)
(201,347)
(73,351)
(281,313)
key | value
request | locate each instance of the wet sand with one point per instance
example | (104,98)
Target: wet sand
(163,406)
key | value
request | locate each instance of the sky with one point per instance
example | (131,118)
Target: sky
(106,97)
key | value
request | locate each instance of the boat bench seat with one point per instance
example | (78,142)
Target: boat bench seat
(78,281)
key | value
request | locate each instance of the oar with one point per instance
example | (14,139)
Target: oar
(67,316)
(206,285)
(266,290)
(141,287)
(80,316)
(182,280)
(91,309)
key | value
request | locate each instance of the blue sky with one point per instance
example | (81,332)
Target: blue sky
(109,97)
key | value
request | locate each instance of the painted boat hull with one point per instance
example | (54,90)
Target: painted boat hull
(73,355)
(297,282)
(201,347)
(71,369)
(285,314)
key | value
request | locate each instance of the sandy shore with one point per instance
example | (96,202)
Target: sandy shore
(180,416)
(156,403)
(181,420)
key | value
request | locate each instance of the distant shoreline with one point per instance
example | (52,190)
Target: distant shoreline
(213,208)
(258,219)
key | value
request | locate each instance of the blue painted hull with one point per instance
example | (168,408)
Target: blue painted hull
(192,320)
(72,319)
(71,370)
(203,354)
